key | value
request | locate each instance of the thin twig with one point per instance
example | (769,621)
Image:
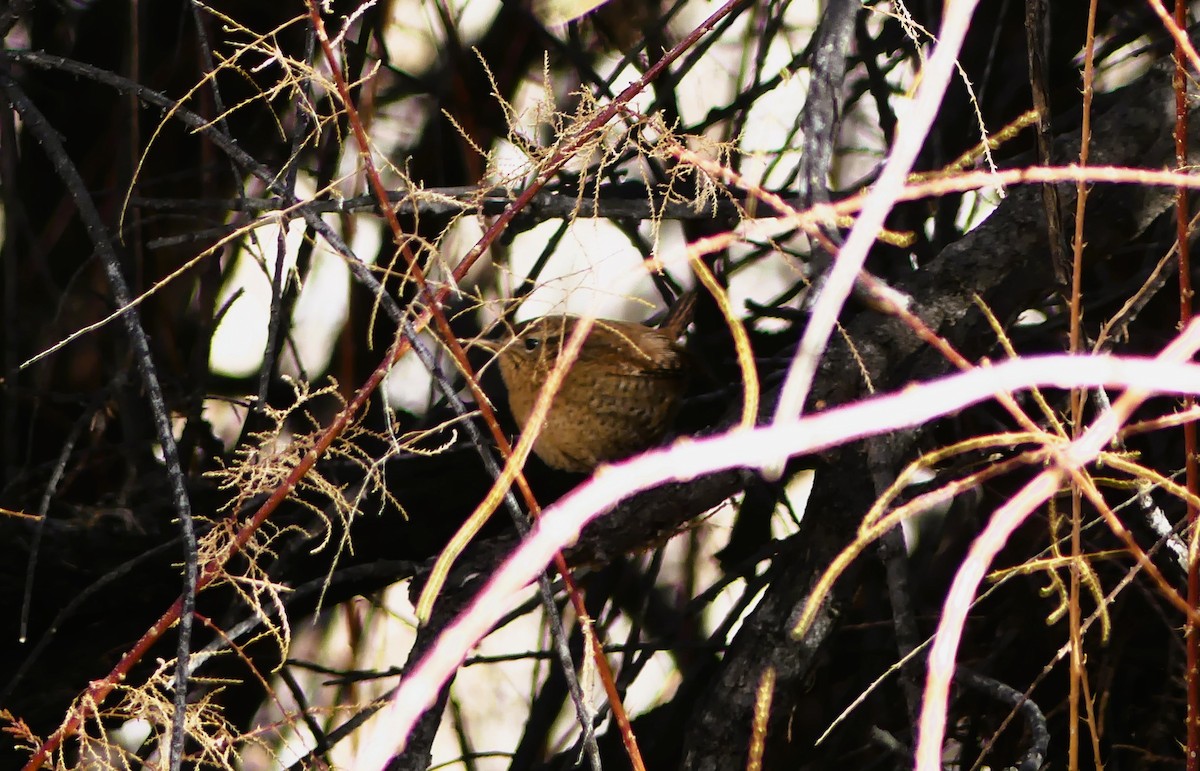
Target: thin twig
(49,139)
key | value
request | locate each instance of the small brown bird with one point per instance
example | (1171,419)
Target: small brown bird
(618,397)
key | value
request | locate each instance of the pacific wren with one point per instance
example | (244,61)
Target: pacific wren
(619,395)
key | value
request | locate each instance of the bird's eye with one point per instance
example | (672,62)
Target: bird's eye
(532,343)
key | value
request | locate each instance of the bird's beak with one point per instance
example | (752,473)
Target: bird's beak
(487,345)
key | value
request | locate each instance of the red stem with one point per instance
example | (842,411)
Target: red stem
(1189,430)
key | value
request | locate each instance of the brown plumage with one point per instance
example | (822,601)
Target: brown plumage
(618,397)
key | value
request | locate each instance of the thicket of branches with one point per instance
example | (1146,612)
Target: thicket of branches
(219,558)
